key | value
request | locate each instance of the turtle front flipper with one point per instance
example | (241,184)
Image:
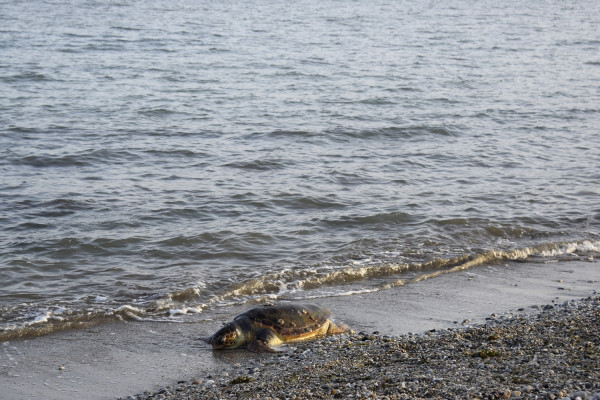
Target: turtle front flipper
(266,341)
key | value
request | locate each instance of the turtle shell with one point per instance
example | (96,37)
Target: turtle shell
(289,321)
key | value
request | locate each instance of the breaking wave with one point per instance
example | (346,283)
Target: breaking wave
(286,284)
(293,284)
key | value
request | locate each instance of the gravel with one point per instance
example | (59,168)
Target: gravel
(548,352)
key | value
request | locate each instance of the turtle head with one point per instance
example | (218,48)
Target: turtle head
(228,337)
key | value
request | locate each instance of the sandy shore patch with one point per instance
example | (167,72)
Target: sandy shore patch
(553,353)
(120,359)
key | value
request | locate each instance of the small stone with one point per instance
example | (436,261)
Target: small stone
(241,379)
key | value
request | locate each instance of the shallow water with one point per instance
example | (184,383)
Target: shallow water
(166,158)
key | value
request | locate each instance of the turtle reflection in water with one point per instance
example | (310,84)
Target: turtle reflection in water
(263,328)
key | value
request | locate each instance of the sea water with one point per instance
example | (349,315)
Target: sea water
(162,159)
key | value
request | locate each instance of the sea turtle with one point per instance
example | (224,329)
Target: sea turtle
(263,328)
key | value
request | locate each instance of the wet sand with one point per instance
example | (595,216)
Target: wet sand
(552,353)
(123,359)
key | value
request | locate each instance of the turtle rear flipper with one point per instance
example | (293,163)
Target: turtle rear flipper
(266,341)
(336,329)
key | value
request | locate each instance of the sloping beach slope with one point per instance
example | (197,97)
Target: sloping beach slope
(121,359)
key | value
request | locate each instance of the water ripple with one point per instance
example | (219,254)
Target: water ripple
(152,151)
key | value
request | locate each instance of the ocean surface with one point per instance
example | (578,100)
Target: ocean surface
(160,160)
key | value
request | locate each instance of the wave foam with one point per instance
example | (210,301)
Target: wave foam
(354,277)
(302,282)
(587,246)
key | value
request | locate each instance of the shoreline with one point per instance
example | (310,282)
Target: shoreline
(553,353)
(121,359)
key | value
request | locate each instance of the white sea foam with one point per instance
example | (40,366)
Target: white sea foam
(185,310)
(129,312)
(42,318)
(355,277)
(366,275)
(587,246)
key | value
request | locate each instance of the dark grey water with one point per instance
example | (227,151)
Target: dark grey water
(167,157)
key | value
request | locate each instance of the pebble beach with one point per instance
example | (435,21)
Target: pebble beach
(540,352)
